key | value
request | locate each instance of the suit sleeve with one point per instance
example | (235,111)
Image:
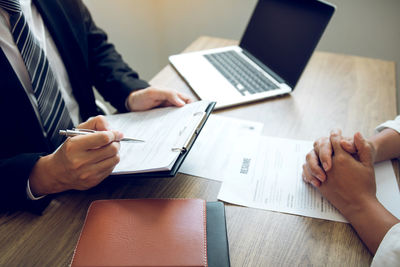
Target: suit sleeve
(15,173)
(111,76)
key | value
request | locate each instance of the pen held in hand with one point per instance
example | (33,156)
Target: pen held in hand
(75,132)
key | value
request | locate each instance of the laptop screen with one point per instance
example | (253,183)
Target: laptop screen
(283,34)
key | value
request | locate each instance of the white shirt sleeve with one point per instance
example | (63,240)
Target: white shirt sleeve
(388,253)
(29,192)
(393,124)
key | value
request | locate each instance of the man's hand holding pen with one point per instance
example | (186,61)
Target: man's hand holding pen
(80,163)
(91,151)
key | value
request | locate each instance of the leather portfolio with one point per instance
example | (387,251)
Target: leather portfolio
(144,232)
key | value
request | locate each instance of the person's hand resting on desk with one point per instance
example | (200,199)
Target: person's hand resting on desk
(345,173)
(384,146)
(151,97)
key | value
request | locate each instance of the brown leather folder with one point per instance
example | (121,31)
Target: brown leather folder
(143,232)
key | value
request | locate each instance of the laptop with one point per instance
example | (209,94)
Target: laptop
(273,52)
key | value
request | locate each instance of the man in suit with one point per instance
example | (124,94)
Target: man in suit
(51,55)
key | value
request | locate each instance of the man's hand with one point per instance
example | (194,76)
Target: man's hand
(80,163)
(150,97)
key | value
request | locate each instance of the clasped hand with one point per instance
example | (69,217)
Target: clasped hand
(342,170)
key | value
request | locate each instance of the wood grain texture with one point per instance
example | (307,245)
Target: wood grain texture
(352,93)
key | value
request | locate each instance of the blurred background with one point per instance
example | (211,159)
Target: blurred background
(146,32)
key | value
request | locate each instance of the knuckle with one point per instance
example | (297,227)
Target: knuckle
(335,133)
(105,138)
(305,175)
(117,159)
(314,182)
(314,169)
(320,141)
(99,117)
(75,163)
(84,177)
(340,159)
(304,168)
(309,156)
(324,157)
(368,147)
(68,145)
(151,92)
(114,148)
(316,143)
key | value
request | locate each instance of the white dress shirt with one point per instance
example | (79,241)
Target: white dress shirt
(388,253)
(39,30)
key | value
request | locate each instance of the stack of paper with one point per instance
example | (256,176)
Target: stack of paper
(221,140)
(274,182)
(265,172)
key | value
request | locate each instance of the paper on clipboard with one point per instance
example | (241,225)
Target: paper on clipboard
(165,131)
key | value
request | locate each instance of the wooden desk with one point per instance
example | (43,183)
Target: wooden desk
(348,92)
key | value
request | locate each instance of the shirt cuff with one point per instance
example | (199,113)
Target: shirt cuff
(388,253)
(29,192)
(393,124)
(126,104)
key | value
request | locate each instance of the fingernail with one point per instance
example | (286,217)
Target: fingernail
(118,135)
(325,165)
(180,101)
(336,132)
(314,183)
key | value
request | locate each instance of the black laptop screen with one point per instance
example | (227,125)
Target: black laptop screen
(283,34)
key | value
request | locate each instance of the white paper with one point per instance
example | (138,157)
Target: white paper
(274,182)
(221,139)
(162,129)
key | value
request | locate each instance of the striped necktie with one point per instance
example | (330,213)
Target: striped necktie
(53,112)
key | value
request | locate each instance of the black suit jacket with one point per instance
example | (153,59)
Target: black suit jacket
(90,61)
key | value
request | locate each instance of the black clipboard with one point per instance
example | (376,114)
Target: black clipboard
(178,162)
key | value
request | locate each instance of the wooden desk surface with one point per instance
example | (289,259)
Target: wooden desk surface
(349,92)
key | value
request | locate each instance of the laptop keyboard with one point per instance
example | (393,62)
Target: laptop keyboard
(240,73)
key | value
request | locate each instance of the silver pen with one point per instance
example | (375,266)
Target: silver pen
(75,132)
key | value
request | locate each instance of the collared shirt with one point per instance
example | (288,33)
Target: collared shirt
(388,253)
(41,33)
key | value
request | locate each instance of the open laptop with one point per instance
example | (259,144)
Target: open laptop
(275,48)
